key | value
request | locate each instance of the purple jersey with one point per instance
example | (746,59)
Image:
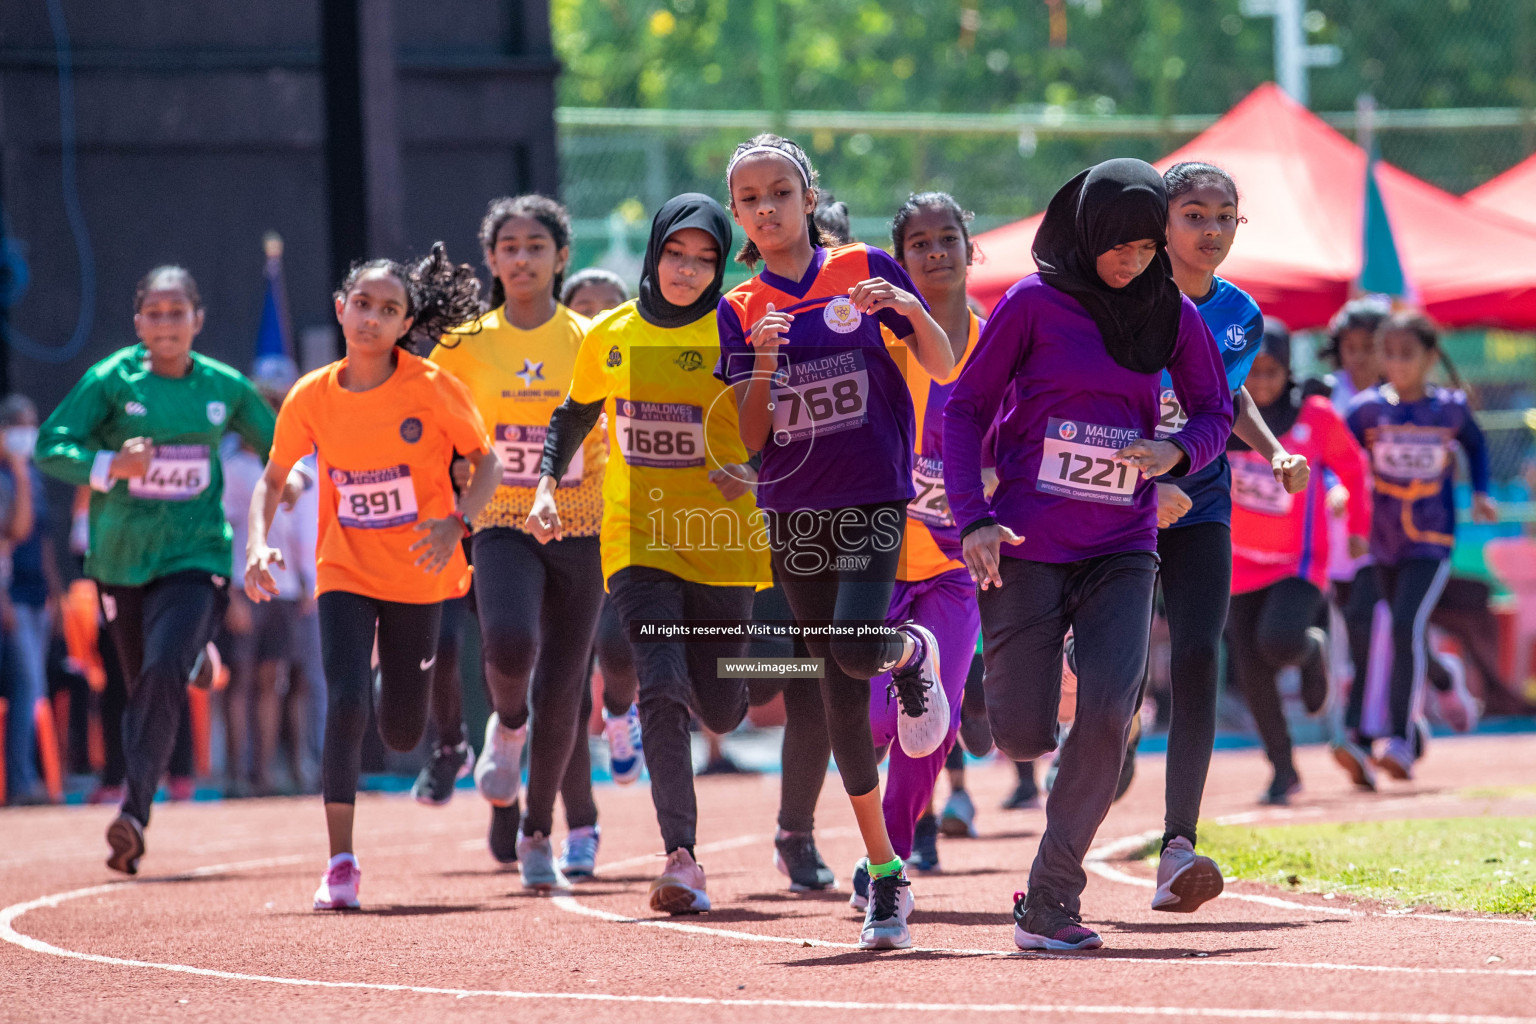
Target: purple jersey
(1412,449)
(842,418)
(1067,407)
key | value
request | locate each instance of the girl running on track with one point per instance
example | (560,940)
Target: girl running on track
(678,517)
(538,603)
(384,425)
(1280,551)
(142,428)
(932,244)
(1195,548)
(1411,429)
(1073,356)
(823,401)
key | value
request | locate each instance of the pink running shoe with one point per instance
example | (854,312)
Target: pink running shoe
(680,889)
(338,887)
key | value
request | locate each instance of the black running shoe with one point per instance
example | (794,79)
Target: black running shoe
(975,732)
(1026,794)
(1040,922)
(795,855)
(126,837)
(448,764)
(925,845)
(503,838)
(1282,787)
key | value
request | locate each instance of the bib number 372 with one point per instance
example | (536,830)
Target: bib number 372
(1075,462)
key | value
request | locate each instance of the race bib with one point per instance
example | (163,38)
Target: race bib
(177,472)
(521,450)
(374,499)
(1171,416)
(821,396)
(1409,454)
(1255,488)
(931,506)
(1075,462)
(666,435)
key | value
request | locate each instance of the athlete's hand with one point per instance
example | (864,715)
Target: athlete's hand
(1152,458)
(768,334)
(982,550)
(441,538)
(1359,547)
(544,517)
(1291,472)
(877,293)
(734,480)
(1484,509)
(132,459)
(259,584)
(1337,500)
(1172,503)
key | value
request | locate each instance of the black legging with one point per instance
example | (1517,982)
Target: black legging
(1357,605)
(1266,632)
(843,574)
(1196,574)
(617,660)
(538,606)
(447,683)
(407,636)
(1411,588)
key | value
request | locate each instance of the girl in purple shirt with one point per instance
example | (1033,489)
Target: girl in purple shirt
(1073,357)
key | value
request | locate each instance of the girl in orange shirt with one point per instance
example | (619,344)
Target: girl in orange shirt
(385,425)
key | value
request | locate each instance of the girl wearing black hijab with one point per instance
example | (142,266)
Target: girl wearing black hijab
(678,516)
(1069,368)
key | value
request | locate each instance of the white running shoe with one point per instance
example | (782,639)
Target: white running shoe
(885,918)
(924,719)
(536,863)
(339,885)
(860,885)
(680,889)
(578,853)
(1185,879)
(499,772)
(625,755)
(1457,707)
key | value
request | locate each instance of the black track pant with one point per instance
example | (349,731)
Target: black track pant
(1357,604)
(678,679)
(447,681)
(407,647)
(839,566)
(158,630)
(1266,632)
(1411,588)
(538,606)
(1196,574)
(806,746)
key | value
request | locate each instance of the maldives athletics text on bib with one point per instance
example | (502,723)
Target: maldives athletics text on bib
(821,396)
(375,499)
(664,435)
(930,505)
(1075,462)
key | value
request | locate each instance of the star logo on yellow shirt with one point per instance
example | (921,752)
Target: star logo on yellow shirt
(531,372)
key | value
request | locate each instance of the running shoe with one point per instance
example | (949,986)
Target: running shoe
(860,886)
(924,719)
(126,837)
(536,864)
(1356,764)
(1396,758)
(1040,922)
(959,818)
(885,918)
(505,824)
(1282,787)
(626,757)
(1026,795)
(1457,707)
(499,773)
(796,857)
(975,731)
(1316,688)
(723,765)
(339,885)
(1185,879)
(578,853)
(447,765)
(180,788)
(925,845)
(680,889)
(105,794)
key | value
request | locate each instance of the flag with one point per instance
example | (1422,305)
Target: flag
(1381,271)
(274,368)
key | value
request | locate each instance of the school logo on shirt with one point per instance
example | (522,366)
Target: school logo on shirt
(1068,430)
(135,409)
(1236,337)
(615,357)
(216,413)
(410,430)
(690,360)
(531,372)
(841,315)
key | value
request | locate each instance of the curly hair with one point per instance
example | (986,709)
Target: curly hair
(548,212)
(439,294)
(748,253)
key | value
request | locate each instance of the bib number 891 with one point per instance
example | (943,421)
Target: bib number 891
(375,503)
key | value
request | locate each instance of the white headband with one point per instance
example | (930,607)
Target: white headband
(776,151)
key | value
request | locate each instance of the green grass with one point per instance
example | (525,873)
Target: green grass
(1479,864)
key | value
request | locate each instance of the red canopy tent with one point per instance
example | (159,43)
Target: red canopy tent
(1511,194)
(1303,188)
